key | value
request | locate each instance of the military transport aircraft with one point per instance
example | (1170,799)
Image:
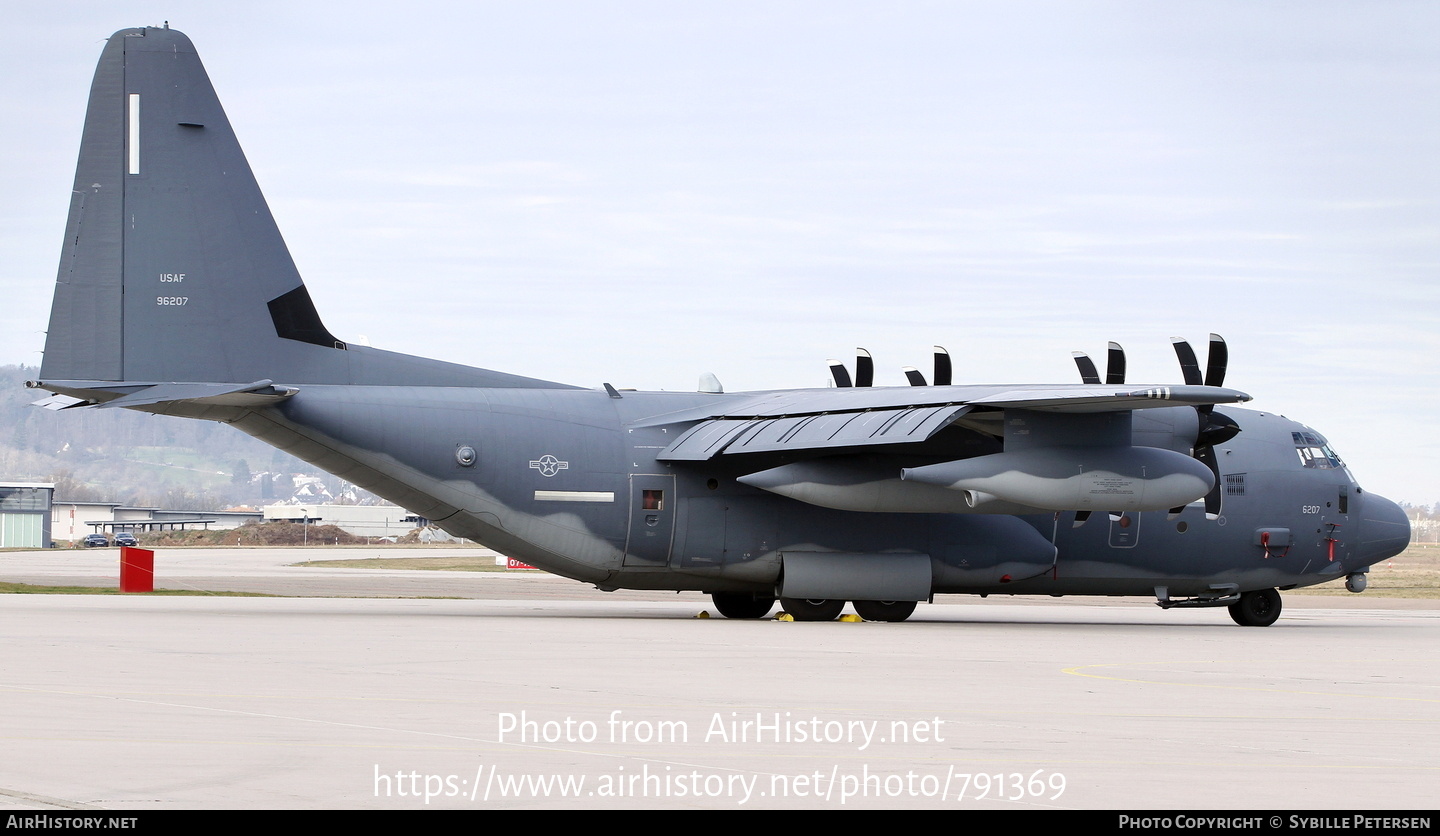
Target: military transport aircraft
(176,295)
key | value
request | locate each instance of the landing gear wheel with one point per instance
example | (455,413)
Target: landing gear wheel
(742,604)
(1256,609)
(806,609)
(884,610)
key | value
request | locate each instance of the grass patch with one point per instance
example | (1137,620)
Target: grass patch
(7,588)
(1414,573)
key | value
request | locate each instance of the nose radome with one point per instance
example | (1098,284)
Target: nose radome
(1384,529)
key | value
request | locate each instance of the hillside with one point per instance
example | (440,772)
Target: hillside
(118,455)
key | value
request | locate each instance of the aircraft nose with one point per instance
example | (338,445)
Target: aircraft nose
(1384,529)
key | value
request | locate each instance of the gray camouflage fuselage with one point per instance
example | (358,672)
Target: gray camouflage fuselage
(863,493)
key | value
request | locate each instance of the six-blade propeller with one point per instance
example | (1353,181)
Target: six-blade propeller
(1215,428)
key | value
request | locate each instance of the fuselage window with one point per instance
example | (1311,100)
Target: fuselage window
(1314,452)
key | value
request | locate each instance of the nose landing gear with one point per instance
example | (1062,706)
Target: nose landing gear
(1256,609)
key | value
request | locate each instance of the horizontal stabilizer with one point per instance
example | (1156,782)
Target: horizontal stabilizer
(259,393)
(105,394)
(58,402)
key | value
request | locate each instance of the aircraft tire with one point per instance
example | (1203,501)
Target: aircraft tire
(884,610)
(804,609)
(742,604)
(1259,608)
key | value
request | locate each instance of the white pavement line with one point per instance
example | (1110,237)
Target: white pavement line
(32,798)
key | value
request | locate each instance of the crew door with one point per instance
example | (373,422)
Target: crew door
(652,520)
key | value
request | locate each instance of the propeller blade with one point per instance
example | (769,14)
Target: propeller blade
(864,368)
(1189,366)
(913,375)
(1219,359)
(1088,372)
(942,366)
(839,374)
(1215,427)
(1115,366)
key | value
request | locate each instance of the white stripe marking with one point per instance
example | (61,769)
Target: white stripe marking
(575,496)
(134,133)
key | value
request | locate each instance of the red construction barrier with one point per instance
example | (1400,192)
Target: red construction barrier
(137,570)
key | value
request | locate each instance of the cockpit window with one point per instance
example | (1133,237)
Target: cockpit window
(1314,452)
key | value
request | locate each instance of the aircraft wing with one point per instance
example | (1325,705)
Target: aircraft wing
(864,417)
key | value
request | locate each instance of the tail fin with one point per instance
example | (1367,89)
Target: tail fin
(173,269)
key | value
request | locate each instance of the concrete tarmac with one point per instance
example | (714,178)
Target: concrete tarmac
(536,692)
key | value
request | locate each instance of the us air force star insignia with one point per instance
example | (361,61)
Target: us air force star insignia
(548,465)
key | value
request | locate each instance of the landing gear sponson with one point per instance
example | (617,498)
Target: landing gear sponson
(752,605)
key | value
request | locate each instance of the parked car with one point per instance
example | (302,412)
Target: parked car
(95,540)
(125,538)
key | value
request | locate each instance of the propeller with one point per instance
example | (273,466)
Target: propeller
(1114,366)
(864,368)
(1215,427)
(942,370)
(942,366)
(864,371)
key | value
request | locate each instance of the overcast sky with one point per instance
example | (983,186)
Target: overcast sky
(638,193)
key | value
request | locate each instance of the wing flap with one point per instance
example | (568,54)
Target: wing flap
(841,430)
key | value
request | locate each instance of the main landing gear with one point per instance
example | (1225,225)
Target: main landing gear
(884,610)
(742,604)
(810,609)
(751,605)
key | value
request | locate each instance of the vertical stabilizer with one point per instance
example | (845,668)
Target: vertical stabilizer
(173,268)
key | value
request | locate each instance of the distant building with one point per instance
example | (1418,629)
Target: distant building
(359,520)
(70,520)
(25,514)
